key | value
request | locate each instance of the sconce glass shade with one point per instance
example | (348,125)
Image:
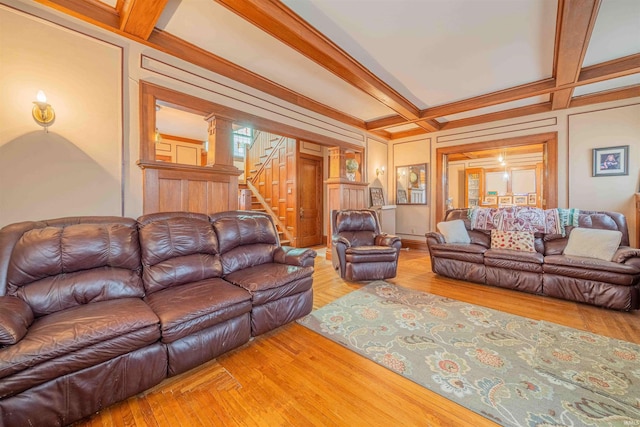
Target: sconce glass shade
(42,112)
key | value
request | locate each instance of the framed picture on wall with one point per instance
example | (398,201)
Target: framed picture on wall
(532,198)
(520,199)
(611,161)
(377,198)
(505,200)
(490,200)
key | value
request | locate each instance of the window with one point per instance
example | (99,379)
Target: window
(242,137)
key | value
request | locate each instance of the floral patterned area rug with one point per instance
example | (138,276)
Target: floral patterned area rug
(510,369)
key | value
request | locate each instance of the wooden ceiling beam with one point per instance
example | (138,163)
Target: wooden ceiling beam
(385,122)
(619,67)
(499,97)
(499,115)
(577,19)
(278,20)
(606,96)
(139,17)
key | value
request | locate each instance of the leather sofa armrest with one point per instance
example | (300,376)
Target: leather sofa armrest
(625,253)
(435,237)
(386,240)
(339,239)
(303,257)
(15,318)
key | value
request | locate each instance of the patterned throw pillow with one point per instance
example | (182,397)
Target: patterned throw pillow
(514,240)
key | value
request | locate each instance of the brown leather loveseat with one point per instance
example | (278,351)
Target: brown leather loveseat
(547,269)
(94,310)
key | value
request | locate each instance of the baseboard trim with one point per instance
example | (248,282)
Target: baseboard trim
(415,244)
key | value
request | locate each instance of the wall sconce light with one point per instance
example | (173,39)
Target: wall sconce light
(42,112)
(380,171)
(157,137)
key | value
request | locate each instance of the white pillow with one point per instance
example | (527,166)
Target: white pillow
(454,231)
(593,243)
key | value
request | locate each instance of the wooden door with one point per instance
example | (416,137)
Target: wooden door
(309,201)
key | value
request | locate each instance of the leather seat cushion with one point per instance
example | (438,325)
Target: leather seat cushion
(471,248)
(186,309)
(272,281)
(73,339)
(592,269)
(519,256)
(371,254)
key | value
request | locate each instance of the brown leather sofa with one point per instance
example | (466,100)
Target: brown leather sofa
(94,310)
(360,250)
(612,284)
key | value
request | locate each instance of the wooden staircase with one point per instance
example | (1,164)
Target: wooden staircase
(252,203)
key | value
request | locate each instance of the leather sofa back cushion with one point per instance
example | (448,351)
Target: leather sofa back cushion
(174,237)
(244,230)
(178,250)
(77,264)
(555,243)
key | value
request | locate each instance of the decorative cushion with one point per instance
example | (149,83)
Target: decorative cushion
(514,240)
(454,231)
(593,243)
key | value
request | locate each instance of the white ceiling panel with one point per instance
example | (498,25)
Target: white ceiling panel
(439,51)
(633,79)
(172,121)
(616,33)
(214,28)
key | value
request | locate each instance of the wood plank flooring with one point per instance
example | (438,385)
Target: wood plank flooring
(294,377)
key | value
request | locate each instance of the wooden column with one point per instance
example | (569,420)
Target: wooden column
(220,151)
(343,193)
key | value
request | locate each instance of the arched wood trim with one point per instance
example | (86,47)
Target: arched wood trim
(550,179)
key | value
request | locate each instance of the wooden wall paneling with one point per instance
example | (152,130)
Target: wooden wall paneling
(170,187)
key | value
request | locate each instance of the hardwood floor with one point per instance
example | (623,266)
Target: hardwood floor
(294,377)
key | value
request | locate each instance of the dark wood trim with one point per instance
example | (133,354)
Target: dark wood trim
(550,183)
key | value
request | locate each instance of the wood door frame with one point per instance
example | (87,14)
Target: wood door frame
(550,155)
(320,160)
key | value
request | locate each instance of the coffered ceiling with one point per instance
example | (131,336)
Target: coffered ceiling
(398,67)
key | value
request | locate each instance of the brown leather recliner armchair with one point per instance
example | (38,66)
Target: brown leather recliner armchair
(360,250)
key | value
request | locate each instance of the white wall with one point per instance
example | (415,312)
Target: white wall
(75,168)
(598,129)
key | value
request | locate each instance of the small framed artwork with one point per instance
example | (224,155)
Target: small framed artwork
(490,200)
(377,198)
(402,196)
(532,199)
(520,199)
(611,161)
(505,200)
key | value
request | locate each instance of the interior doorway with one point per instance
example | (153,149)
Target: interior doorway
(549,172)
(310,206)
